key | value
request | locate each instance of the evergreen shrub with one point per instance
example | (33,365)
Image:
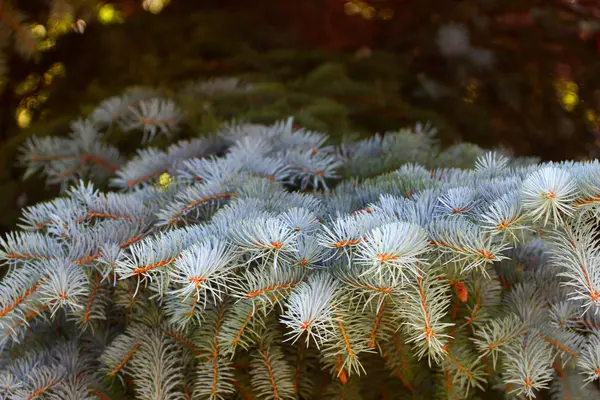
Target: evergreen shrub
(266,262)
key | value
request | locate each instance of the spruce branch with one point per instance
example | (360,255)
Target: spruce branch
(152,116)
(497,336)
(393,252)
(549,193)
(240,327)
(204,270)
(310,310)
(425,304)
(529,366)
(589,362)
(465,371)
(157,368)
(503,217)
(349,341)
(466,244)
(488,269)
(40,382)
(122,349)
(214,374)
(264,289)
(576,253)
(271,375)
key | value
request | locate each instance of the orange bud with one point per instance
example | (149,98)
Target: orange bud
(461,291)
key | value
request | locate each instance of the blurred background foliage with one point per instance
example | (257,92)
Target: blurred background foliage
(520,74)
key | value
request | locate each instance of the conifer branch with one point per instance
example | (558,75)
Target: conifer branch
(495,260)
